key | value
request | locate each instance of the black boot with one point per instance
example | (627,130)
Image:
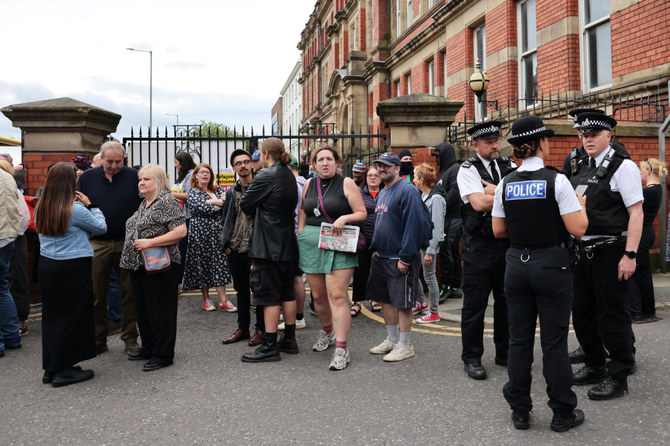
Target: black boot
(576,356)
(608,388)
(287,343)
(268,350)
(589,375)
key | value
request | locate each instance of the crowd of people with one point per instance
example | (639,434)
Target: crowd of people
(546,244)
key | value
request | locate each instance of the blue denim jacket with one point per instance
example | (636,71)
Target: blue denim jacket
(75,242)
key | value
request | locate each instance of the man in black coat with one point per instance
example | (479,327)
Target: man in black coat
(272,198)
(451,268)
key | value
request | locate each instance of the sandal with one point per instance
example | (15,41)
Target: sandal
(375,306)
(355,308)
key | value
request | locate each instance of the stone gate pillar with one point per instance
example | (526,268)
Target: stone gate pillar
(418,121)
(56,130)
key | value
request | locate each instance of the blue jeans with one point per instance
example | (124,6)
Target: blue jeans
(9,319)
(114,299)
(431,280)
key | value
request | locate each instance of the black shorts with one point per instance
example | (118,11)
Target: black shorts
(297,272)
(388,285)
(272,282)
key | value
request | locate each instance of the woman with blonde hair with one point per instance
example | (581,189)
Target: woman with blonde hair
(206,264)
(641,286)
(157,222)
(64,219)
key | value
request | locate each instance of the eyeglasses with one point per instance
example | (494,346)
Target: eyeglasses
(646,160)
(240,163)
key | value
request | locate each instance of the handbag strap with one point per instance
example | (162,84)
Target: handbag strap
(323,208)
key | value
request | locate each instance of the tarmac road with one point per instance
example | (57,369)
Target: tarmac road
(210,397)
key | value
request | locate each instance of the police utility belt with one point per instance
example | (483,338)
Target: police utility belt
(572,246)
(590,247)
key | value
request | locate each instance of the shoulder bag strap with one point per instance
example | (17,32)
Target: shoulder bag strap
(323,208)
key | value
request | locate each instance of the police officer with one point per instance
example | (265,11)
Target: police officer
(537,209)
(483,254)
(569,167)
(600,315)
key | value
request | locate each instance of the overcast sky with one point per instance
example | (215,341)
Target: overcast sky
(214,60)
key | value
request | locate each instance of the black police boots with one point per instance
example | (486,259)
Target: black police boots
(521,419)
(576,356)
(563,422)
(589,375)
(608,388)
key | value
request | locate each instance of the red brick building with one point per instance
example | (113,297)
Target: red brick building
(542,57)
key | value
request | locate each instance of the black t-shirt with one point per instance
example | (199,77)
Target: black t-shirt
(117,200)
(334,200)
(652,202)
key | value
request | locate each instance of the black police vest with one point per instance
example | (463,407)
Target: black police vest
(479,223)
(605,209)
(531,210)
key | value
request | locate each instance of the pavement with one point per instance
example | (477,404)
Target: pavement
(210,397)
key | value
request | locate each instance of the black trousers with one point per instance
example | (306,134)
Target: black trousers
(600,312)
(156,306)
(483,273)
(240,266)
(361,275)
(641,285)
(18,277)
(451,268)
(539,283)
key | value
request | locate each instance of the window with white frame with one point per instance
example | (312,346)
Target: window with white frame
(409,83)
(398,24)
(527,51)
(479,36)
(410,13)
(596,43)
(431,77)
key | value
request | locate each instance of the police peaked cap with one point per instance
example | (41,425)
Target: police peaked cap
(574,113)
(528,128)
(595,122)
(490,129)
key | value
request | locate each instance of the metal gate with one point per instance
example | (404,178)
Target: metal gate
(215,148)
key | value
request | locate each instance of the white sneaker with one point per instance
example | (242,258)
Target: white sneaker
(207,305)
(323,341)
(340,359)
(383,348)
(300,324)
(399,353)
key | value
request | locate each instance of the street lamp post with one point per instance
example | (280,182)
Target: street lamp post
(151,80)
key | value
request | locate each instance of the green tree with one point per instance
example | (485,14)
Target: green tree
(207,129)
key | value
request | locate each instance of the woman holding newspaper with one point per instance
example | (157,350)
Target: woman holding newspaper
(332,201)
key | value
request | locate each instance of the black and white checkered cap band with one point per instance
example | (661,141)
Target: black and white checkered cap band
(485,130)
(530,132)
(594,123)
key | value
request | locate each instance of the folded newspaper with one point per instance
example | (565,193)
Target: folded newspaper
(346,242)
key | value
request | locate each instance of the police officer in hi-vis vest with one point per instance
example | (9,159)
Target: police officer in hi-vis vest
(538,210)
(483,254)
(600,314)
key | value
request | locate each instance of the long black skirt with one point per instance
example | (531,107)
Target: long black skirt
(68,327)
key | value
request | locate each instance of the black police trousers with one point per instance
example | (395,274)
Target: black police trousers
(483,273)
(601,312)
(539,282)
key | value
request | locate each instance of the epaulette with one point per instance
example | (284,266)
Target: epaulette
(553,168)
(504,159)
(469,162)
